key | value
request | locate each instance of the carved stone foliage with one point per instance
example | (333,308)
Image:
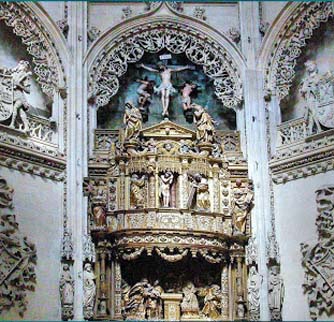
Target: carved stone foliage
(18,257)
(26,26)
(318,259)
(290,41)
(177,38)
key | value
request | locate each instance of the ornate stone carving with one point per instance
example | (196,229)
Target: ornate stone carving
(264,26)
(212,302)
(18,257)
(234,35)
(66,289)
(199,13)
(63,26)
(205,129)
(189,304)
(251,251)
(93,33)
(27,26)
(216,63)
(275,293)
(318,259)
(132,121)
(89,291)
(127,12)
(88,249)
(241,205)
(292,38)
(67,245)
(253,289)
(166,180)
(318,92)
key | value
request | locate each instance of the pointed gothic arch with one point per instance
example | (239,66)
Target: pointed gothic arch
(110,54)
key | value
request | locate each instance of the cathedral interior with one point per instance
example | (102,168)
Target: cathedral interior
(166,160)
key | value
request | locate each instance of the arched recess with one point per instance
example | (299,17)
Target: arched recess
(163,28)
(47,47)
(284,43)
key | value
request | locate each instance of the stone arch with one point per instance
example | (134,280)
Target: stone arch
(29,22)
(281,48)
(110,55)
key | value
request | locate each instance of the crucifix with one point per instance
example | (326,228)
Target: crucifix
(165,88)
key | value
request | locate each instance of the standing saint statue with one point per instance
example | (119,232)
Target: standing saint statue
(166,180)
(275,293)
(241,204)
(166,88)
(133,122)
(89,291)
(204,123)
(66,288)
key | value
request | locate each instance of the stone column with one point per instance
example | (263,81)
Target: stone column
(116,290)
(255,120)
(77,143)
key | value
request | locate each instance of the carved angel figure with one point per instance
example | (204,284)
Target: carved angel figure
(189,304)
(132,121)
(212,302)
(241,203)
(205,124)
(89,290)
(66,287)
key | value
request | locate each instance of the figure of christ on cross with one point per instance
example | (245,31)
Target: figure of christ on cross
(166,88)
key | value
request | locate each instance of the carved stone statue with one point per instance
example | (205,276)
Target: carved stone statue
(166,181)
(212,302)
(14,102)
(189,304)
(99,215)
(143,301)
(145,91)
(276,293)
(204,123)
(253,289)
(309,88)
(66,288)
(186,91)
(89,291)
(166,88)
(132,121)
(200,192)
(137,191)
(241,203)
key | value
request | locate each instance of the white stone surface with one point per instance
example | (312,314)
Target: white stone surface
(38,210)
(295,223)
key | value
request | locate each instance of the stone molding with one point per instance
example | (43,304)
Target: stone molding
(311,156)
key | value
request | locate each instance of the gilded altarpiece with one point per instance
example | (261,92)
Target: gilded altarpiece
(169,198)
